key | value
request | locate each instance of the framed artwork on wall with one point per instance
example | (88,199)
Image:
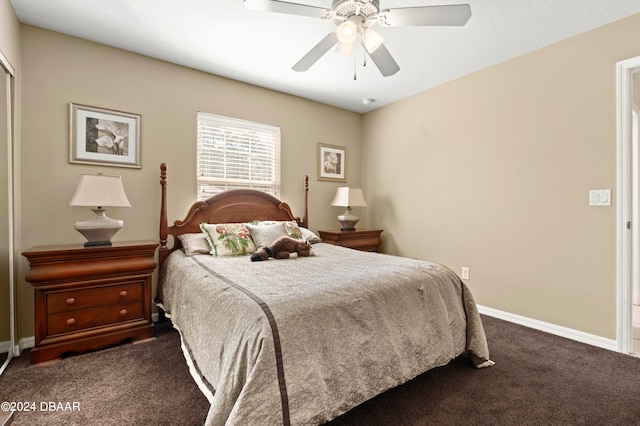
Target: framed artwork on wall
(332,163)
(104,137)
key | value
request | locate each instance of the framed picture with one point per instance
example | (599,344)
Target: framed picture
(332,163)
(104,137)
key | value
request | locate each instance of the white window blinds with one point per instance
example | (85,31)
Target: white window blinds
(235,153)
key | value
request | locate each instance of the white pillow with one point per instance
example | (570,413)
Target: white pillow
(194,244)
(310,236)
(264,235)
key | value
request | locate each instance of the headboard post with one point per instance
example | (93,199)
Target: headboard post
(305,218)
(163,251)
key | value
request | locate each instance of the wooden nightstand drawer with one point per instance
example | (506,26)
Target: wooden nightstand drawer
(66,322)
(81,299)
(360,239)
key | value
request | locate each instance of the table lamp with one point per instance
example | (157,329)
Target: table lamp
(99,191)
(348,197)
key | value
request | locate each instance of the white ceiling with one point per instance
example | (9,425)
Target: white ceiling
(223,38)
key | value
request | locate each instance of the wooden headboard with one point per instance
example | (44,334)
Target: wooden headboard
(234,205)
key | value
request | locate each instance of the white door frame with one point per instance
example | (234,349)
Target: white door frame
(7,69)
(626,259)
(635,187)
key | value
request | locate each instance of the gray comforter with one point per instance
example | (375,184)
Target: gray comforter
(303,340)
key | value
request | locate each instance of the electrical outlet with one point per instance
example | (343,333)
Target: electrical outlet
(465,273)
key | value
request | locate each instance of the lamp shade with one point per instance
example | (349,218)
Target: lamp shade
(100,191)
(348,197)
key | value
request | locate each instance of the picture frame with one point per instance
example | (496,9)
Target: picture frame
(104,137)
(332,163)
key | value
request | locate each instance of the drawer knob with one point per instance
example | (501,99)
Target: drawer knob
(123,312)
(124,293)
(71,301)
(71,321)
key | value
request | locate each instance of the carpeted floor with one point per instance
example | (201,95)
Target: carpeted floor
(538,379)
(131,384)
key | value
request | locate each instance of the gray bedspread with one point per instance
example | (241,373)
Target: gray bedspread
(303,340)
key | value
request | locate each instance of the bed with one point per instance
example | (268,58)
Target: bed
(303,340)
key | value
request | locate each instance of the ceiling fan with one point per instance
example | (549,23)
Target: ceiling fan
(355,18)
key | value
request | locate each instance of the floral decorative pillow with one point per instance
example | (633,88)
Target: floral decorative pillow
(195,244)
(228,239)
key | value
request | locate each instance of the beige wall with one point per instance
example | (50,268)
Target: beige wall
(59,69)
(492,171)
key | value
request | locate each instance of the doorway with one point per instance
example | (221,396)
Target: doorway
(628,202)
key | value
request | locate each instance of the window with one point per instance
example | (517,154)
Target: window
(237,154)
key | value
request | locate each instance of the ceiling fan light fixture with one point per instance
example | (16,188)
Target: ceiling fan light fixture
(347,32)
(344,49)
(372,40)
(353,19)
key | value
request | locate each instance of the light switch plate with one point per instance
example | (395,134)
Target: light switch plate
(600,197)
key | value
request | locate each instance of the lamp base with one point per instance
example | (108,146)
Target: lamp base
(348,220)
(99,229)
(97,243)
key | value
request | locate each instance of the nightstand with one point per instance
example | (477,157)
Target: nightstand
(88,298)
(360,239)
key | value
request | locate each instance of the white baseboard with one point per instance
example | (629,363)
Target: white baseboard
(569,333)
(26,343)
(23,344)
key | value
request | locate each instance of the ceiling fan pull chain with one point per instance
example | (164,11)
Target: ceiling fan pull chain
(364,53)
(355,67)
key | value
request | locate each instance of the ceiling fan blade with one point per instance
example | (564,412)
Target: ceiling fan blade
(384,61)
(452,15)
(286,7)
(316,52)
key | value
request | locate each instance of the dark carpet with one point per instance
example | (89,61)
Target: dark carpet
(538,379)
(130,384)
